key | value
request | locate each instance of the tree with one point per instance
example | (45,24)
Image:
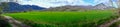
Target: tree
(0,10)
(3,5)
(118,3)
(3,23)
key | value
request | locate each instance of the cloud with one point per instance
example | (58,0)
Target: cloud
(54,3)
(3,0)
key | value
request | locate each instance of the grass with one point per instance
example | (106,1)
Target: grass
(3,22)
(63,19)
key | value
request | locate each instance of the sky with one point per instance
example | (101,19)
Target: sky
(55,3)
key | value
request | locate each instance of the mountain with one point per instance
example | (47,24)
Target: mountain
(15,7)
(69,8)
(100,6)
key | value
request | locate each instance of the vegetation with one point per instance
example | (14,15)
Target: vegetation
(116,24)
(3,22)
(3,5)
(65,19)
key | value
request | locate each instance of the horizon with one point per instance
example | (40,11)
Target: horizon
(56,3)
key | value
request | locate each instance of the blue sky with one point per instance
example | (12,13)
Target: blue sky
(55,3)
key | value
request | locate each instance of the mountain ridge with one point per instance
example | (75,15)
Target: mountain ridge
(15,7)
(100,6)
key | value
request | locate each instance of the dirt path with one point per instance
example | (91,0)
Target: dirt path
(15,23)
(110,23)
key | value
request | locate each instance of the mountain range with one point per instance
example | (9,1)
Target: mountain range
(100,6)
(15,7)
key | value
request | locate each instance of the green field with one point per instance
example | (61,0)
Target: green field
(64,19)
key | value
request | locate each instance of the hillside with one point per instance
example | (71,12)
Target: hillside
(15,7)
(100,6)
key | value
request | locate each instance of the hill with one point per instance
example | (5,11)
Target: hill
(100,6)
(15,7)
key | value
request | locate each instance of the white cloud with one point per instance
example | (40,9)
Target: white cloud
(3,0)
(100,1)
(54,3)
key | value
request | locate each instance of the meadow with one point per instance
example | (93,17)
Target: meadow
(64,19)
